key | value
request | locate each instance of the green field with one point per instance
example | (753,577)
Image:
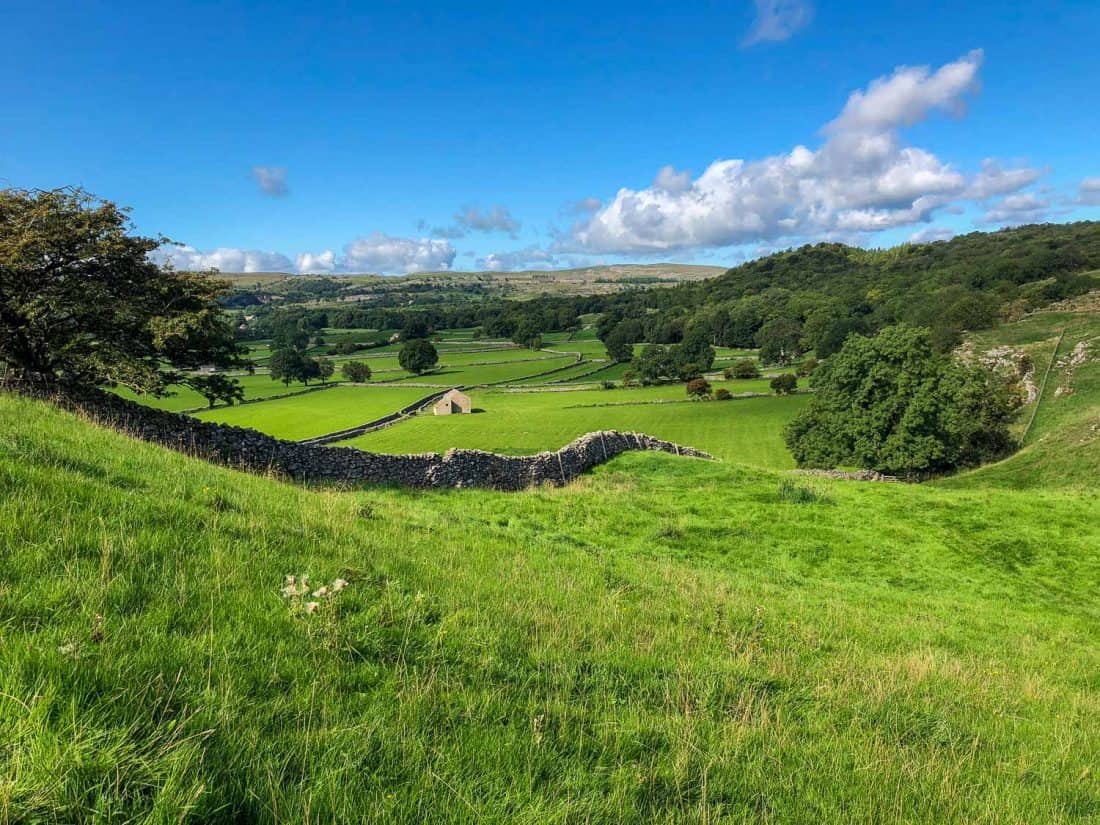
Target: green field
(317,413)
(666,640)
(487,374)
(745,431)
(183,398)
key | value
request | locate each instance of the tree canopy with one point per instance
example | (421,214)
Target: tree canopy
(417,356)
(892,403)
(81,301)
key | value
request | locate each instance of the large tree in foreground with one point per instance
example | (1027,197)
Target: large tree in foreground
(892,403)
(80,300)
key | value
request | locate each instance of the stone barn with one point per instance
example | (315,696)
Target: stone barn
(452,403)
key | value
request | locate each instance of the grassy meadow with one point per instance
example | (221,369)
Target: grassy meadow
(747,431)
(666,640)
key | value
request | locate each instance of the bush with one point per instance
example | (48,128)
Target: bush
(895,405)
(784,384)
(607,385)
(791,493)
(698,388)
(745,368)
(722,394)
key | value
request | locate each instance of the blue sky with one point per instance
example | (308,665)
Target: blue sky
(401,137)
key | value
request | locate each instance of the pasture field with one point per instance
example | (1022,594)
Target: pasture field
(255,386)
(317,413)
(745,431)
(488,373)
(666,640)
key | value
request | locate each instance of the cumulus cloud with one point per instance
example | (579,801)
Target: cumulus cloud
(497,219)
(378,252)
(320,263)
(1024,207)
(384,253)
(862,179)
(226,259)
(271,180)
(1088,192)
(778,20)
(531,257)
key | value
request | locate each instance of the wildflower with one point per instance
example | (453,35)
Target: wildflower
(338,585)
(311,607)
(289,579)
(320,592)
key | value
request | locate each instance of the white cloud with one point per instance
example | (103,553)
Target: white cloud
(531,257)
(384,253)
(378,253)
(1024,207)
(994,180)
(271,180)
(321,263)
(862,179)
(226,259)
(932,233)
(777,20)
(1088,192)
(672,181)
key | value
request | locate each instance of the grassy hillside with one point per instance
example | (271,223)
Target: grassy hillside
(665,641)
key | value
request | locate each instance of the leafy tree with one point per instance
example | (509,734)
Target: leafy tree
(81,302)
(653,364)
(325,369)
(693,355)
(807,367)
(780,341)
(743,369)
(892,403)
(356,371)
(698,388)
(288,335)
(784,384)
(416,326)
(418,356)
(308,370)
(286,365)
(216,387)
(620,341)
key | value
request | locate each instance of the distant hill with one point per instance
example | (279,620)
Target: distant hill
(593,280)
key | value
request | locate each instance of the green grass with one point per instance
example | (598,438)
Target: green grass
(747,431)
(664,641)
(184,398)
(317,413)
(487,374)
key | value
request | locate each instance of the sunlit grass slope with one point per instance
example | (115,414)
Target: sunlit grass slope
(1062,447)
(667,640)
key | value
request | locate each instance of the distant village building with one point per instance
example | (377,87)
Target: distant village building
(452,403)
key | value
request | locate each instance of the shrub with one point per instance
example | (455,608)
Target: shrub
(607,385)
(791,493)
(745,368)
(722,394)
(784,384)
(698,388)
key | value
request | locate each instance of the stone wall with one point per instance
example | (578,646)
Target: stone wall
(255,452)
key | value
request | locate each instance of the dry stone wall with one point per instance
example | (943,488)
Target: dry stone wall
(255,452)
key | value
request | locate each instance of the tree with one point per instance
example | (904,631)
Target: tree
(653,364)
(698,388)
(780,341)
(745,368)
(81,302)
(415,327)
(325,369)
(417,356)
(893,404)
(527,335)
(286,365)
(620,341)
(693,355)
(784,384)
(216,387)
(807,367)
(356,371)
